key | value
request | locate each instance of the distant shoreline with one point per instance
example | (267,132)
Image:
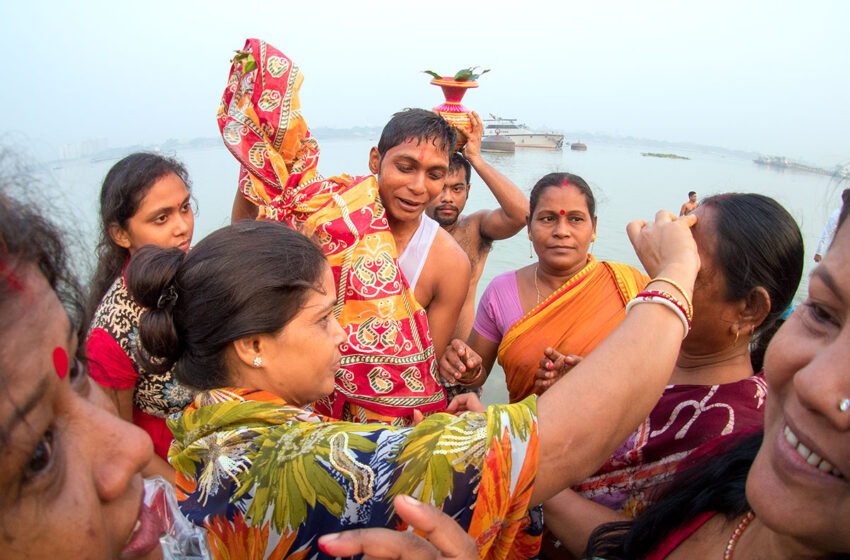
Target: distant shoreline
(666,156)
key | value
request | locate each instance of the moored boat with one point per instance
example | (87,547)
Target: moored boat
(520,134)
(498,143)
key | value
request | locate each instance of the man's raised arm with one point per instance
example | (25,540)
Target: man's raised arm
(507,220)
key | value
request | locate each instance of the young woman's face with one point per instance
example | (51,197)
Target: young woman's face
(301,360)
(561,229)
(799,484)
(70,482)
(164,218)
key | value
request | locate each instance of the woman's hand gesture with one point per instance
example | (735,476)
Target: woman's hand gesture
(553,367)
(459,362)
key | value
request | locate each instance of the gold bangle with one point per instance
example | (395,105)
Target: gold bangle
(466,383)
(678,287)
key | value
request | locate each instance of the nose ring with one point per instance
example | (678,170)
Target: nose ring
(844,405)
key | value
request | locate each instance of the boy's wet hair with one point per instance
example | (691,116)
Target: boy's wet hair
(419,124)
(457,162)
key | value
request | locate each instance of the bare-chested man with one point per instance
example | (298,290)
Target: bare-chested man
(690,205)
(476,232)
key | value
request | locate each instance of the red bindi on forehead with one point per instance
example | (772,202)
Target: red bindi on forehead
(421,154)
(563,212)
(60,362)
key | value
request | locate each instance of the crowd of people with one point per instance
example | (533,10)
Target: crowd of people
(305,378)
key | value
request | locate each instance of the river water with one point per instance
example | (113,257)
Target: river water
(627,186)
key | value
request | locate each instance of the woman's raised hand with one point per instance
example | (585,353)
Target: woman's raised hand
(459,362)
(666,246)
(446,539)
(553,366)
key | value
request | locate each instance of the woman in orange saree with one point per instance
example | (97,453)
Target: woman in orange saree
(568,300)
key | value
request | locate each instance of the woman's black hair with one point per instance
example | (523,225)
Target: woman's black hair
(758,243)
(419,124)
(845,207)
(717,483)
(123,189)
(714,482)
(28,238)
(247,278)
(558,180)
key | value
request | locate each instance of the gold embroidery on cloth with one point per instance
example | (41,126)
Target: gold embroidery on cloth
(362,477)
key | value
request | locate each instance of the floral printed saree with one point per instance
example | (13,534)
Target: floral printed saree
(267,479)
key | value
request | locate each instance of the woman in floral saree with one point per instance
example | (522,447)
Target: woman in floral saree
(249,320)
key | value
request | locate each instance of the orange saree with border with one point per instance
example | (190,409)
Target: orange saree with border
(573,320)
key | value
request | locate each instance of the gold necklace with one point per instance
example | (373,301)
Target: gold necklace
(536,287)
(736,534)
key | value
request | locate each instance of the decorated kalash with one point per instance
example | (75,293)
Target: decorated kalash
(388,367)
(454,87)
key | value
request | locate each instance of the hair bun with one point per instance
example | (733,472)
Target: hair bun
(167,298)
(151,280)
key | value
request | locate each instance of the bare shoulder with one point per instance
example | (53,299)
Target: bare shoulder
(447,263)
(468,234)
(467,224)
(447,249)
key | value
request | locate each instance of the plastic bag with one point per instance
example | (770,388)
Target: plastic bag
(180,539)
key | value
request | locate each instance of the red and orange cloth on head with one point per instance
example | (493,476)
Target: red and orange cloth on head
(387,366)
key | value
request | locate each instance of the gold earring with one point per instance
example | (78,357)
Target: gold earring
(530,248)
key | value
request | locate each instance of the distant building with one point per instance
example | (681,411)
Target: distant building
(83,149)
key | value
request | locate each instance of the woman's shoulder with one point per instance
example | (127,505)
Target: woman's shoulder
(629,279)
(505,280)
(638,273)
(117,305)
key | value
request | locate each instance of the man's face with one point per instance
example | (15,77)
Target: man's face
(693,197)
(446,207)
(409,176)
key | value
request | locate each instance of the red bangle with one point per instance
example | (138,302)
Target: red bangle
(672,299)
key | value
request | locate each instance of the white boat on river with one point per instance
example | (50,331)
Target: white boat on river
(520,134)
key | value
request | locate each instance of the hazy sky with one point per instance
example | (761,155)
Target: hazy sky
(770,76)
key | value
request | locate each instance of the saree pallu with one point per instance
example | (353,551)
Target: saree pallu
(387,363)
(573,320)
(686,418)
(266,479)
